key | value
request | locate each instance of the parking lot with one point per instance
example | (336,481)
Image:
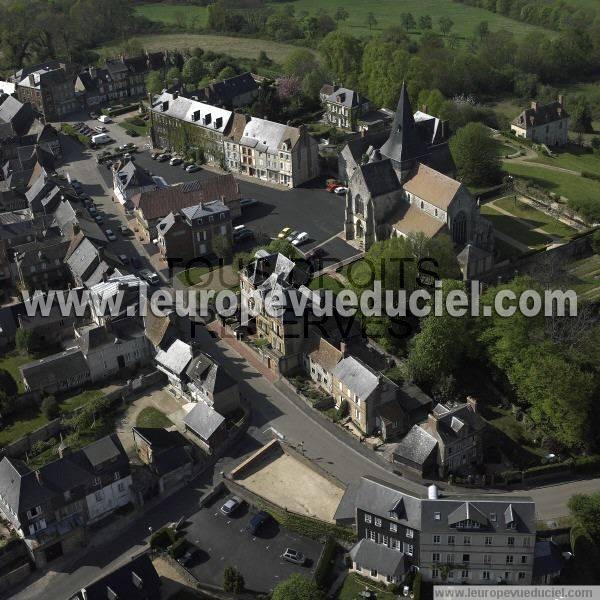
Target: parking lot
(311,209)
(223,541)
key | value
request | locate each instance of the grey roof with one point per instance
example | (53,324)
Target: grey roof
(165,224)
(354,374)
(103,450)
(176,357)
(370,555)
(203,420)
(268,136)
(204,209)
(547,558)
(47,371)
(131,175)
(379,177)
(206,373)
(346,97)
(224,92)
(9,109)
(346,509)
(416,446)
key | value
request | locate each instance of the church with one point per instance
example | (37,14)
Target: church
(407,186)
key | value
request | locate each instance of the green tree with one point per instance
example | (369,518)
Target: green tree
(446,24)
(596,241)
(417,586)
(300,62)
(580,114)
(221,246)
(408,21)
(425,22)
(341,14)
(474,152)
(371,20)
(24,341)
(585,510)
(7,383)
(342,54)
(226,73)
(154,83)
(50,408)
(192,71)
(173,75)
(297,587)
(233,581)
(482,30)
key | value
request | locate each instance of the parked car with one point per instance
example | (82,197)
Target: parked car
(231,505)
(125,230)
(100,129)
(155,155)
(104,119)
(300,239)
(176,160)
(187,163)
(245,202)
(124,258)
(189,557)
(257,522)
(192,168)
(122,147)
(284,233)
(110,235)
(293,556)
(246,234)
(340,191)
(76,185)
(292,236)
(92,210)
(149,276)
(93,115)
(164,158)
(332,185)
(136,262)
(99,219)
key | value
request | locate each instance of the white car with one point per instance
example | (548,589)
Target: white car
(300,239)
(110,235)
(175,161)
(293,556)
(231,505)
(192,168)
(340,191)
(149,276)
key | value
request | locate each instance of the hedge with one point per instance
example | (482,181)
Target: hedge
(581,464)
(163,538)
(325,562)
(120,110)
(587,555)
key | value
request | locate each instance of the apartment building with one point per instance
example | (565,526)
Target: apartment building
(271,151)
(452,539)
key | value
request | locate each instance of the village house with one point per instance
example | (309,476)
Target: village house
(40,265)
(206,426)
(343,107)
(182,124)
(449,441)
(50,89)
(233,92)
(152,206)
(543,123)
(475,540)
(271,151)
(130,179)
(50,507)
(195,231)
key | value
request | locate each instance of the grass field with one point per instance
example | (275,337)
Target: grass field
(234,46)
(11,362)
(573,158)
(354,585)
(504,150)
(326,282)
(562,184)
(174,14)
(514,229)
(152,417)
(536,217)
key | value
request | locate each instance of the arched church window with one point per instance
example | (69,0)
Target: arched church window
(359,205)
(459,228)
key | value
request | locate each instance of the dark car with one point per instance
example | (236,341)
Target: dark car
(190,556)
(136,262)
(244,234)
(257,522)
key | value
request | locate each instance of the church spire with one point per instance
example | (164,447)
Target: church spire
(404,143)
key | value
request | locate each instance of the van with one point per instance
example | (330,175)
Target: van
(104,119)
(238,229)
(101,138)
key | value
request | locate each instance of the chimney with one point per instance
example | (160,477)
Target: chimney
(343,348)
(432,421)
(534,104)
(32,79)
(472,403)
(432,492)
(445,130)
(424,109)
(38,476)
(561,100)
(175,95)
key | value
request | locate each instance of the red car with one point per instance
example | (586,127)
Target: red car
(332,185)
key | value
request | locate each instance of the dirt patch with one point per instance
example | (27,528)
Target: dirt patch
(291,484)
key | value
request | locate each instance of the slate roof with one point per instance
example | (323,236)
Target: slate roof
(46,372)
(370,555)
(205,209)
(83,258)
(416,446)
(203,420)
(268,136)
(433,187)
(48,250)
(379,177)
(547,558)
(105,449)
(359,146)
(159,203)
(471,253)
(224,92)
(131,175)
(354,374)
(9,108)
(204,372)
(136,580)
(176,357)
(346,97)
(158,327)
(408,218)
(450,421)
(541,115)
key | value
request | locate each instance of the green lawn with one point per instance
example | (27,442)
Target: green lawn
(504,150)
(11,362)
(586,277)
(573,158)
(359,273)
(237,47)
(141,130)
(354,584)
(70,404)
(514,229)
(152,417)
(27,421)
(174,14)
(326,282)
(537,218)
(562,184)
(193,276)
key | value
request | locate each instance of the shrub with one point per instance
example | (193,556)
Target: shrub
(342,410)
(50,408)
(163,538)
(417,586)
(325,562)
(233,581)
(7,383)
(587,464)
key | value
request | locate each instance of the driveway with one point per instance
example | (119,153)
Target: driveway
(224,542)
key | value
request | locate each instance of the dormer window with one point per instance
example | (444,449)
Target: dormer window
(468,524)
(493,517)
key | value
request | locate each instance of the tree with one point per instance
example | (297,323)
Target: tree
(221,246)
(7,383)
(585,509)
(417,586)
(425,22)
(288,87)
(297,587)
(341,14)
(474,152)
(192,71)
(407,21)
(24,340)
(371,20)
(154,83)
(342,54)
(482,30)
(226,73)
(173,75)
(446,24)
(596,241)
(233,581)
(50,408)
(300,62)
(580,114)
